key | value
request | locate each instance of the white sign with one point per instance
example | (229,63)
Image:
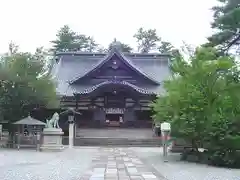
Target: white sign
(120,119)
(165,126)
(114,111)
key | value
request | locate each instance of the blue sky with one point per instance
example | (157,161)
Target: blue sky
(33,23)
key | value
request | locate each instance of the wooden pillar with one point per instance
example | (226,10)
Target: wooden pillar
(76,101)
(72,125)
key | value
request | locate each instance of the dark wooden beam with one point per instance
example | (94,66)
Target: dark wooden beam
(76,101)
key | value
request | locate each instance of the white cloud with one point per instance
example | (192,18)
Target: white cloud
(33,23)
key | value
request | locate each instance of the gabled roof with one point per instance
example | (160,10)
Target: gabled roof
(70,65)
(122,57)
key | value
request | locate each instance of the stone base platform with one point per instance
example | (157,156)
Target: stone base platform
(127,133)
(50,148)
(52,140)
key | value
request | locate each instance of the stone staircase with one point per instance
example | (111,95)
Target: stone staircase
(153,142)
(115,137)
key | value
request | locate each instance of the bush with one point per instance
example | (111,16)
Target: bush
(202,103)
(224,158)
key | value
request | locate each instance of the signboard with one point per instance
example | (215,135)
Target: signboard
(114,111)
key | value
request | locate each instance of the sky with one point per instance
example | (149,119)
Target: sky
(33,23)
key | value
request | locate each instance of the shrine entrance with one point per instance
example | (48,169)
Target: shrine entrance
(112,120)
(114,117)
(113,105)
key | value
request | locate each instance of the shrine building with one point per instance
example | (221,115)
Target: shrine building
(110,89)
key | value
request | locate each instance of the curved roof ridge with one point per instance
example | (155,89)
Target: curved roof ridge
(119,82)
(107,58)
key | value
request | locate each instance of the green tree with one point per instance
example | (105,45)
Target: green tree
(121,46)
(227,24)
(101,49)
(202,102)
(165,47)
(91,45)
(24,85)
(68,40)
(168,48)
(65,40)
(147,39)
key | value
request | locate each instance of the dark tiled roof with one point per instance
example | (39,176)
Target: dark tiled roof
(71,65)
(126,60)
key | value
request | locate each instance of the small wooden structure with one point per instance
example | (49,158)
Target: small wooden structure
(28,132)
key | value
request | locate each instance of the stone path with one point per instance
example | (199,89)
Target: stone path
(104,163)
(119,164)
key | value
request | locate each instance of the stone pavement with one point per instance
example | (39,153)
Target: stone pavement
(96,163)
(119,164)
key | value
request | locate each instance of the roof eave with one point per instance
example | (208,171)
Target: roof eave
(116,82)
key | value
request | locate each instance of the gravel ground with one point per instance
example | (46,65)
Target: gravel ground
(175,169)
(32,165)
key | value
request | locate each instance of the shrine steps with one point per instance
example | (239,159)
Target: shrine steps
(142,137)
(153,142)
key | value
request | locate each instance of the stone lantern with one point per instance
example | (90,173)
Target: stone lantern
(71,114)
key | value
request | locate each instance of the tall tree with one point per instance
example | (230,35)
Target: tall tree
(147,39)
(21,86)
(121,46)
(167,47)
(91,44)
(101,49)
(202,105)
(227,23)
(65,40)
(68,40)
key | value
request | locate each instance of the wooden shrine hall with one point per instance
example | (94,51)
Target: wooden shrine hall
(111,89)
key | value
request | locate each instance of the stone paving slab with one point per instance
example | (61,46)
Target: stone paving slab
(118,164)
